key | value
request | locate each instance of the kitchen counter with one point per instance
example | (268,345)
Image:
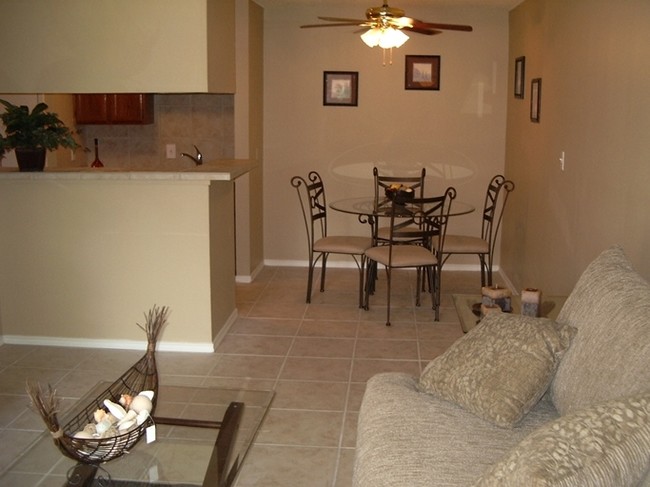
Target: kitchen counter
(217,170)
(84,252)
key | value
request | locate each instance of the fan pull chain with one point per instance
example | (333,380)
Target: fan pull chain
(390,56)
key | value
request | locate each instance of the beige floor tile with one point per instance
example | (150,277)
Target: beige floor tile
(303,368)
(284,466)
(310,395)
(277,310)
(328,328)
(261,326)
(255,345)
(345,468)
(322,347)
(387,349)
(248,366)
(297,427)
(363,369)
(332,312)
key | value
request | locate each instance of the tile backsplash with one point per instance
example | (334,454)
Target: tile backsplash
(186,120)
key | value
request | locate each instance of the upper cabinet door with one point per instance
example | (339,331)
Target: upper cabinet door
(120,46)
(132,108)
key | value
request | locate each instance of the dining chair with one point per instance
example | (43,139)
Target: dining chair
(383,182)
(483,245)
(311,193)
(424,219)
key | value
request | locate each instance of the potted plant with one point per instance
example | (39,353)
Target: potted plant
(33,133)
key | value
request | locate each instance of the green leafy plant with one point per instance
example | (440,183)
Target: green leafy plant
(32,130)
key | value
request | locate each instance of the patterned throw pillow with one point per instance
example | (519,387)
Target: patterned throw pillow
(604,445)
(501,368)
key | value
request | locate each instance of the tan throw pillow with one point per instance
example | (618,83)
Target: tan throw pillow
(501,368)
(604,445)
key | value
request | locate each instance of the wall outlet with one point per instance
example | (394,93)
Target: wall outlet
(170,151)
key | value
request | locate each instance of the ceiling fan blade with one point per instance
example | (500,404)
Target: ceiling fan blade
(341,24)
(430,25)
(428,32)
(338,19)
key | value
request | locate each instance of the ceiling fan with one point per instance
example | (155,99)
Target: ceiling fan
(389,19)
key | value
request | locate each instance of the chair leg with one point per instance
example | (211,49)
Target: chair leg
(322,274)
(388,279)
(486,279)
(310,278)
(362,266)
(436,285)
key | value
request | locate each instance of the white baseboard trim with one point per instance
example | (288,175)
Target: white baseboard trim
(345,264)
(163,346)
(244,279)
(225,329)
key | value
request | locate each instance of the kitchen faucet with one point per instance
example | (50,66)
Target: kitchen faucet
(198,160)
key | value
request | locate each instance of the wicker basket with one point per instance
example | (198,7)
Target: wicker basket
(141,376)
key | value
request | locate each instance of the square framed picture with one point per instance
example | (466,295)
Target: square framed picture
(341,88)
(422,73)
(535,99)
(520,76)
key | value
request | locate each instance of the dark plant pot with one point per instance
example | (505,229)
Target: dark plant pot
(30,159)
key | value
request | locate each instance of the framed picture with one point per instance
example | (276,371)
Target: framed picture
(520,70)
(535,99)
(422,73)
(341,88)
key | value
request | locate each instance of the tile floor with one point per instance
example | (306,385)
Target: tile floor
(316,357)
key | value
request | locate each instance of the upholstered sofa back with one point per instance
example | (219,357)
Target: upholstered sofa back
(609,357)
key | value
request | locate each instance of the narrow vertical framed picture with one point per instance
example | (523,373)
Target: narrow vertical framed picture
(520,76)
(422,73)
(341,88)
(535,99)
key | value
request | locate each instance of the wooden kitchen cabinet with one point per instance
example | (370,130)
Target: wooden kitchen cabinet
(131,108)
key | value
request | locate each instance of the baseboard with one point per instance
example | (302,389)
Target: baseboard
(244,279)
(350,264)
(163,346)
(225,328)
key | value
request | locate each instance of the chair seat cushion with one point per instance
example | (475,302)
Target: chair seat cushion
(343,245)
(403,256)
(463,244)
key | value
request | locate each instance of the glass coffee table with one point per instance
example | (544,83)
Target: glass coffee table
(202,437)
(465,305)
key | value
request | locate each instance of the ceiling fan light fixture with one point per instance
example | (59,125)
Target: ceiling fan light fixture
(392,38)
(386,38)
(371,37)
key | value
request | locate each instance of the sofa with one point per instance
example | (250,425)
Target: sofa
(521,401)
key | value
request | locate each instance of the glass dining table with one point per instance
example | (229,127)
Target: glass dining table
(369,211)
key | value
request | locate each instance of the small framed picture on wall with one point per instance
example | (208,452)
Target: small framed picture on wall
(422,73)
(535,99)
(341,88)
(520,71)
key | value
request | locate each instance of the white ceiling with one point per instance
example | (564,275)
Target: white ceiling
(506,4)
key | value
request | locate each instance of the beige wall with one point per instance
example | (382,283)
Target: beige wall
(594,61)
(458,133)
(249,139)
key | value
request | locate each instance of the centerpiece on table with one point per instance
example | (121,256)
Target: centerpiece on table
(399,193)
(32,133)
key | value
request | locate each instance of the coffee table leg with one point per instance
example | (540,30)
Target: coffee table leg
(223,448)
